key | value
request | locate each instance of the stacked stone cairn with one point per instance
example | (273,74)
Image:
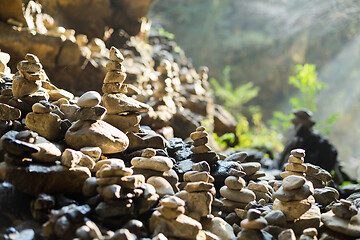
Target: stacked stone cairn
(198,191)
(295,164)
(123,112)
(170,220)
(294,197)
(234,192)
(343,218)
(200,150)
(157,171)
(123,192)
(252,225)
(46,121)
(28,80)
(91,131)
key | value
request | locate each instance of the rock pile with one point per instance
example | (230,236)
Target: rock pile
(234,192)
(343,219)
(295,164)
(27,80)
(124,194)
(157,171)
(45,121)
(252,225)
(91,131)
(198,191)
(201,151)
(123,112)
(170,220)
(294,197)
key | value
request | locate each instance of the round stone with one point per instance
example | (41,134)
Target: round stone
(294,167)
(96,134)
(293,159)
(244,195)
(201,166)
(236,173)
(299,153)
(148,153)
(89,99)
(257,187)
(172,202)
(288,173)
(251,167)
(199,176)
(157,163)
(31,58)
(197,135)
(200,129)
(235,183)
(293,182)
(161,185)
(259,223)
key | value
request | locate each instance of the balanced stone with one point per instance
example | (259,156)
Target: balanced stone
(299,153)
(89,99)
(96,134)
(198,187)
(244,195)
(293,159)
(293,182)
(293,167)
(235,183)
(251,167)
(172,202)
(157,163)
(22,87)
(91,113)
(236,173)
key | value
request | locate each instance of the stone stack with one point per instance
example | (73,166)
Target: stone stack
(295,164)
(170,220)
(123,112)
(252,225)
(45,122)
(72,159)
(234,193)
(294,197)
(201,151)
(123,192)
(91,131)
(262,190)
(157,171)
(343,218)
(198,191)
(8,118)
(27,81)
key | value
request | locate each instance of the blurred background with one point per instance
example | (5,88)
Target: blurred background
(255,46)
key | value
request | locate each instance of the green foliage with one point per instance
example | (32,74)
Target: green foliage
(251,131)
(233,99)
(307,83)
(164,33)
